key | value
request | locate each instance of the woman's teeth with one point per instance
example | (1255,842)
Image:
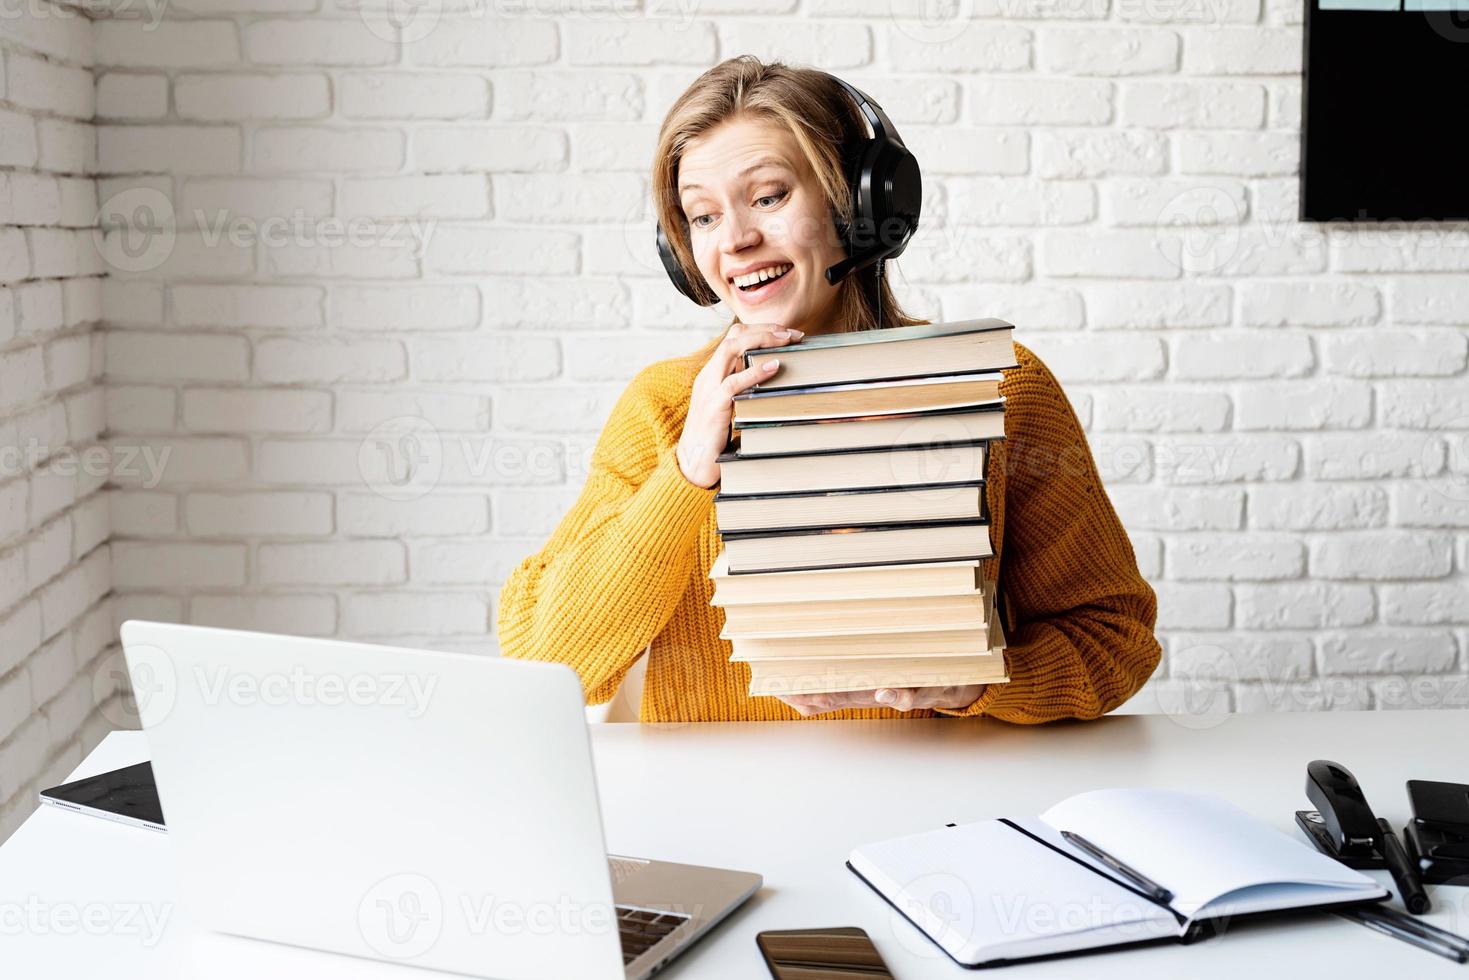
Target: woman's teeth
(761,275)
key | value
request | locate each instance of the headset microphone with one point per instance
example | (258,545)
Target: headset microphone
(887,192)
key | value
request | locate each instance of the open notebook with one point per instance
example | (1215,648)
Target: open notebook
(1002,890)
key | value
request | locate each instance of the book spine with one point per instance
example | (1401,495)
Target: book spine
(845,528)
(733,455)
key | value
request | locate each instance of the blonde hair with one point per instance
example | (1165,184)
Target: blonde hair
(820,115)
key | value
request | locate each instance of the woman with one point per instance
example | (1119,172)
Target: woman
(748,165)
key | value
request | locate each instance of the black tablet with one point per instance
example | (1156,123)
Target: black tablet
(126,795)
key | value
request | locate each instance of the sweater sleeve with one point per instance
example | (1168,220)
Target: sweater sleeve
(611,574)
(1082,640)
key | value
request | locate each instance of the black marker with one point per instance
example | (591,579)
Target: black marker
(1404,875)
(1155,890)
(1409,930)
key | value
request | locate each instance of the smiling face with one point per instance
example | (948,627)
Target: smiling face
(755,207)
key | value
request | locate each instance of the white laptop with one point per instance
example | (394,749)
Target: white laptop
(426,808)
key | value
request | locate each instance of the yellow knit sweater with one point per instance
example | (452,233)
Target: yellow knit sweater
(629,565)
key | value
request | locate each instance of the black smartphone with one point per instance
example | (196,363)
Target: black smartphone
(1440,806)
(838,953)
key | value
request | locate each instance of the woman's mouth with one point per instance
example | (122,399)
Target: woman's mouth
(756,291)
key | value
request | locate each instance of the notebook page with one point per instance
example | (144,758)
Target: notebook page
(984,891)
(1203,848)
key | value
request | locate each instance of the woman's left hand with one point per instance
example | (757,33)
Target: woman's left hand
(897,698)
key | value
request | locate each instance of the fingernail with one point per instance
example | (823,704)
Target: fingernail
(798,333)
(772,364)
(780,333)
(885,697)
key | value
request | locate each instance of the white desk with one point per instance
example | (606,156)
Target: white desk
(790,800)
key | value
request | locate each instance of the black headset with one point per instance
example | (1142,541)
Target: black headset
(887,193)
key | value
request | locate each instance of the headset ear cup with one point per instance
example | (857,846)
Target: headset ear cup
(865,217)
(902,197)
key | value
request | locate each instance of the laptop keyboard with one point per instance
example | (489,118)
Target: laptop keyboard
(640,929)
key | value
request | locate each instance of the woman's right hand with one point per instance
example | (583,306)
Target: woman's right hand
(711,403)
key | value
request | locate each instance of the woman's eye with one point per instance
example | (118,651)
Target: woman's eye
(699,222)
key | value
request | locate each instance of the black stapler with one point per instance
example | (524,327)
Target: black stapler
(1344,827)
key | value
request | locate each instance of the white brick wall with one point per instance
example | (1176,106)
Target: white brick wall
(336,248)
(56,625)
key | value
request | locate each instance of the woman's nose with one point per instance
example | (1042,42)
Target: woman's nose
(740,231)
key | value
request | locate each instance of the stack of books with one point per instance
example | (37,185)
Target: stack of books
(852,510)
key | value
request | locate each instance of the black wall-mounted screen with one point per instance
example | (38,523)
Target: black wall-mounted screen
(1383,136)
